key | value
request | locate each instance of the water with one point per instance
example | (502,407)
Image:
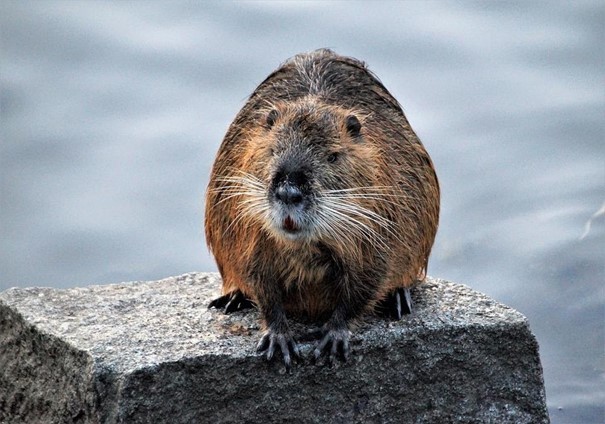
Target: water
(111,113)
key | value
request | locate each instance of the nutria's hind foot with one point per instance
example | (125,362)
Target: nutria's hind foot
(234,301)
(334,344)
(396,304)
(286,343)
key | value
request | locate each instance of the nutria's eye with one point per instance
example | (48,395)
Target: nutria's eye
(333,157)
(271,118)
(353,125)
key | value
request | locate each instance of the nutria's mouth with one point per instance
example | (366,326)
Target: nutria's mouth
(289,225)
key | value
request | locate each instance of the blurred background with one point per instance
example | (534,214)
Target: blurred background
(111,114)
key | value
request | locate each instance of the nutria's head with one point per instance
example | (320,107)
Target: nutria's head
(310,172)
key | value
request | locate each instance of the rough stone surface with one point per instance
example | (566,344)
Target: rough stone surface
(150,352)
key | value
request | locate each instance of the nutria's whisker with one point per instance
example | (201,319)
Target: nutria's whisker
(333,228)
(252,204)
(366,194)
(347,219)
(342,204)
(246,185)
(245,179)
(360,197)
(252,211)
(361,188)
(352,209)
(231,193)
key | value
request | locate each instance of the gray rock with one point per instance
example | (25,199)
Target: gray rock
(151,352)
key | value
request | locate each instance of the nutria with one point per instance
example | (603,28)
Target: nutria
(322,203)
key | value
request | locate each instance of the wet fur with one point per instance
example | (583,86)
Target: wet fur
(313,94)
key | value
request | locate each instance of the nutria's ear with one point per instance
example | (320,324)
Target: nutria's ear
(353,125)
(271,118)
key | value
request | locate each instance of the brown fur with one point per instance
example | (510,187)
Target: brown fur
(313,95)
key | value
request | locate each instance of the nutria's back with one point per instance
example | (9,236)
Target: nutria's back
(321,191)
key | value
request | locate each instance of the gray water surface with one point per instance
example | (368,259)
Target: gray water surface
(111,114)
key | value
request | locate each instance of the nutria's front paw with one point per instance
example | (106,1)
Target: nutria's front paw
(335,343)
(234,301)
(271,340)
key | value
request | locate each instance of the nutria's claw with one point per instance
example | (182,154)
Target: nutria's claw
(406,300)
(338,340)
(397,304)
(270,340)
(234,301)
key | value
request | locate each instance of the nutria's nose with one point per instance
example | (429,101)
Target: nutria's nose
(288,194)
